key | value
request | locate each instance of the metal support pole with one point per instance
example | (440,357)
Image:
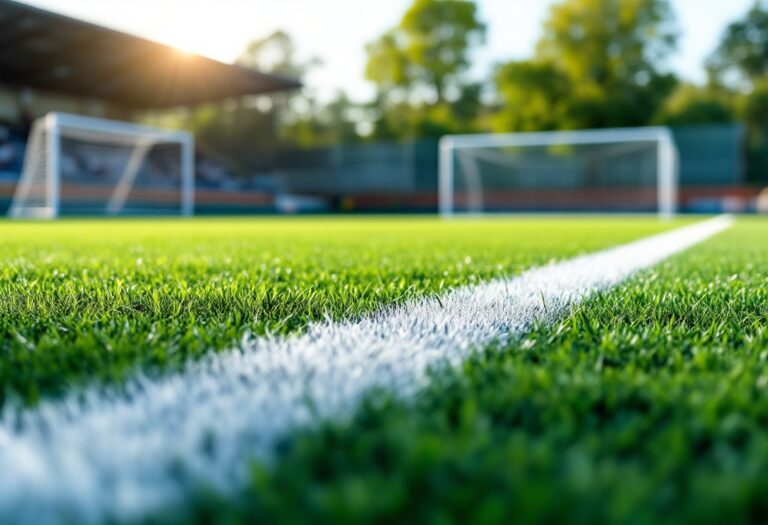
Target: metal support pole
(445,183)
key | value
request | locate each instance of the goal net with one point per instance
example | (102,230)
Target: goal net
(612,170)
(77,165)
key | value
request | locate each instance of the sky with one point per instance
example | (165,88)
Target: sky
(336,31)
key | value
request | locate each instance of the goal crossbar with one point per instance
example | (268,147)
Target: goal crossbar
(667,156)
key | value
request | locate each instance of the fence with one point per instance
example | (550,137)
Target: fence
(403,176)
(711,155)
(392,177)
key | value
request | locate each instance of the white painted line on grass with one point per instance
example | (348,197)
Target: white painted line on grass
(95,456)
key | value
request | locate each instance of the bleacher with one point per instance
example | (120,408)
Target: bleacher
(12,147)
(50,62)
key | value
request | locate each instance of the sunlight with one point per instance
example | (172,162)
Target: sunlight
(187,43)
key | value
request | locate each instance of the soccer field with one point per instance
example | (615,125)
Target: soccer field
(637,399)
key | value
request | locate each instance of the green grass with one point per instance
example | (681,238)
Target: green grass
(84,301)
(648,405)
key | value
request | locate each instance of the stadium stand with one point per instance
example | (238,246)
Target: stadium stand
(57,54)
(51,62)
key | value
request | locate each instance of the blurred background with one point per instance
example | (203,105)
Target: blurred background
(338,106)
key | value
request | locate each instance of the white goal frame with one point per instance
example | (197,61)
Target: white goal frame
(55,122)
(667,157)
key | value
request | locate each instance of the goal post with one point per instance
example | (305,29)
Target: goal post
(607,170)
(77,165)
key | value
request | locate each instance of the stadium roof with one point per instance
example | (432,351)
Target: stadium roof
(45,50)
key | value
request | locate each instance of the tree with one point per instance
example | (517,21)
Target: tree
(292,114)
(254,129)
(275,54)
(248,129)
(420,67)
(741,58)
(535,93)
(599,63)
(754,112)
(754,106)
(740,63)
(326,124)
(691,105)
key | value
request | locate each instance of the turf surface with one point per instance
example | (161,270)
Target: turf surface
(94,301)
(648,405)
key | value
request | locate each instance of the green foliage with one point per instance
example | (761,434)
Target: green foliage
(94,301)
(755,106)
(429,50)
(250,131)
(693,105)
(647,405)
(241,135)
(419,69)
(743,51)
(598,64)
(740,64)
(606,42)
(754,112)
(539,94)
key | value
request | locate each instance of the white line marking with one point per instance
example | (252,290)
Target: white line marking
(94,456)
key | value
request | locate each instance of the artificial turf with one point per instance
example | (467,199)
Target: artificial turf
(85,301)
(648,405)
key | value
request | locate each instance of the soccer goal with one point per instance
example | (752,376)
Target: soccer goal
(76,165)
(632,170)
